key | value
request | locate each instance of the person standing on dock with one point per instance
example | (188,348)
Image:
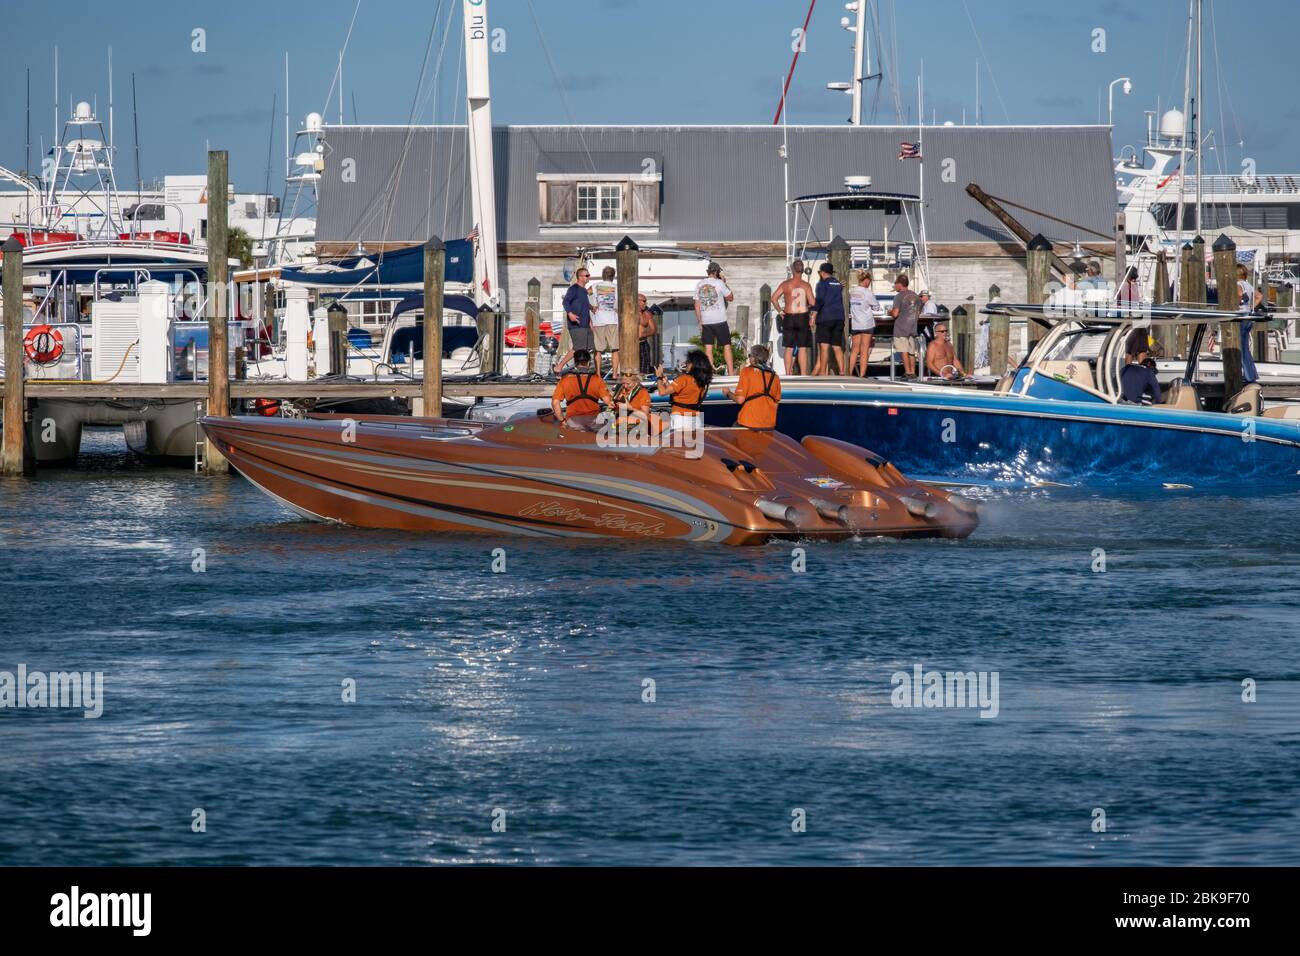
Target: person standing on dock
(828,319)
(862,310)
(604,321)
(793,301)
(906,311)
(1248,300)
(577,310)
(646,329)
(758,392)
(711,298)
(581,391)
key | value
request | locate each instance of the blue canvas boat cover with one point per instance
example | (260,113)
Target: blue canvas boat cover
(401,267)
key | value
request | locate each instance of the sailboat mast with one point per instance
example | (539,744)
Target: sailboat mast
(479,132)
(859,49)
(1200,106)
(1182,139)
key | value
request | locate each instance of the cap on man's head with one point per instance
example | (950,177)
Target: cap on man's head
(826,269)
(714,269)
(925,292)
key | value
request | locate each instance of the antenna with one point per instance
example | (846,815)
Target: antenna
(135,123)
(340,87)
(55,140)
(110,102)
(287,144)
(27,160)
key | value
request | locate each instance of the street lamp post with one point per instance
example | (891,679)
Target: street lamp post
(1110,95)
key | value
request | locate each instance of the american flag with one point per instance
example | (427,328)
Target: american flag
(909,150)
(473,234)
(1246,256)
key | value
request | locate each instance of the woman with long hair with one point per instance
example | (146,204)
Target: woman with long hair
(688,390)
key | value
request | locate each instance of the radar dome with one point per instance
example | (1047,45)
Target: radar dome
(1173,125)
(313,122)
(82,112)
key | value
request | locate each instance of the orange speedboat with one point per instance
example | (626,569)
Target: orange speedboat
(533,477)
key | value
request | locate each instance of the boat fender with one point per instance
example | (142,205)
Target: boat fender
(43,344)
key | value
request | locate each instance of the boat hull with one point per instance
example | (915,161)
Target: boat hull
(535,479)
(968,436)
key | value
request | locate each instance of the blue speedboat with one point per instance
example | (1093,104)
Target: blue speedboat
(1058,419)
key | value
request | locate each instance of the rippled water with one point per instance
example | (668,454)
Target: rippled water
(523,690)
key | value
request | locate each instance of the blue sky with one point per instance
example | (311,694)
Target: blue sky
(629,61)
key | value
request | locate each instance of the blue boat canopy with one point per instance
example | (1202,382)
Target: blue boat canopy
(402,267)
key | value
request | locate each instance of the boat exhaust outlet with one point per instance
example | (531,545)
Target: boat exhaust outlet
(775,510)
(830,510)
(919,508)
(963,504)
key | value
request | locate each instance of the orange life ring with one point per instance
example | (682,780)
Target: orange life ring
(43,344)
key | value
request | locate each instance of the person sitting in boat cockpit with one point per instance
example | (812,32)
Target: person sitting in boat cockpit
(1137,382)
(581,390)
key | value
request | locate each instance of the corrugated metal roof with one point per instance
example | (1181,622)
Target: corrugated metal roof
(720,183)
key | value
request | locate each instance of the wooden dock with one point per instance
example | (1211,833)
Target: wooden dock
(279,388)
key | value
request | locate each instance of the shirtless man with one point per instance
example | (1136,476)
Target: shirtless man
(940,358)
(792,299)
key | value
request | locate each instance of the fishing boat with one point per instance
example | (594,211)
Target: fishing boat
(534,477)
(1059,418)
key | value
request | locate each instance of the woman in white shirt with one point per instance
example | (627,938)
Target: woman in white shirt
(862,306)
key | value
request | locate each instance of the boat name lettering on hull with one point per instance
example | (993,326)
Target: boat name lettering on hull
(615,522)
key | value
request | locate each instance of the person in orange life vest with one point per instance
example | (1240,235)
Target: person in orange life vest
(757,392)
(688,390)
(632,403)
(581,391)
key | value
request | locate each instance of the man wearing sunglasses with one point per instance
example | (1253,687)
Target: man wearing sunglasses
(941,358)
(577,309)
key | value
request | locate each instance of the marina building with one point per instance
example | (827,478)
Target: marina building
(721,192)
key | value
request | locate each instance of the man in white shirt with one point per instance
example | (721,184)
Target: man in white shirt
(711,298)
(928,305)
(604,318)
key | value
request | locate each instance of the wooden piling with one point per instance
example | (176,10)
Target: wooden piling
(218,306)
(1190,292)
(1199,293)
(764,313)
(1166,335)
(338,330)
(15,402)
(533,322)
(963,342)
(999,338)
(627,263)
(1038,273)
(841,259)
(1225,276)
(434,270)
(742,324)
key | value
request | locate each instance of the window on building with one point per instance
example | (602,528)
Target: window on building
(600,202)
(632,200)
